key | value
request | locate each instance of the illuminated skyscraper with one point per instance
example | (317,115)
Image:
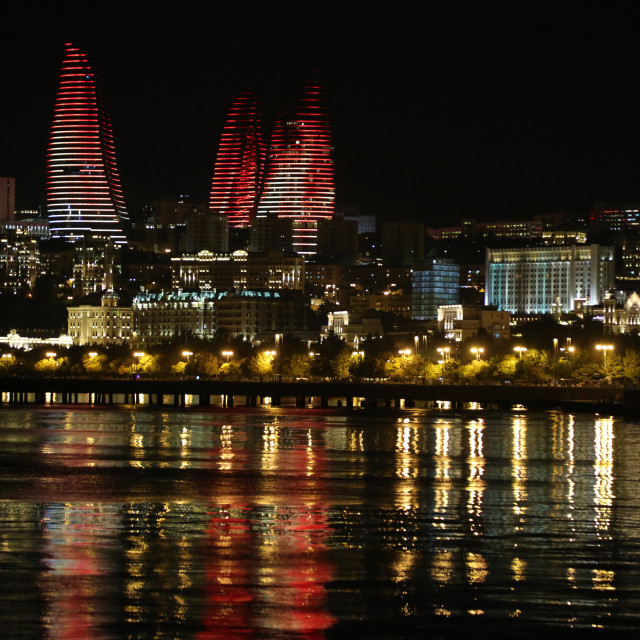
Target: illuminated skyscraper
(84,197)
(299,179)
(239,168)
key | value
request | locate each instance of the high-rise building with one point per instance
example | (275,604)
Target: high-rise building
(299,181)
(434,284)
(402,243)
(7,199)
(84,197)
(239,167)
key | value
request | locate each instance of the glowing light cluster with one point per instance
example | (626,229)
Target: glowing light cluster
(299,182)
(239,167)
(84,196)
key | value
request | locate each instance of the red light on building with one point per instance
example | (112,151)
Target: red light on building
(239,167)
(299,182)
(84,196)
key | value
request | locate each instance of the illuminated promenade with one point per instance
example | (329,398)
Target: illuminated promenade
(228,393)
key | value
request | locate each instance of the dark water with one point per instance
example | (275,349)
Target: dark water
(294,524)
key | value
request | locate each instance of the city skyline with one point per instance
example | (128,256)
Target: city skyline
(439,114)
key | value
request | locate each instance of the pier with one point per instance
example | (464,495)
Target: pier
(349,395)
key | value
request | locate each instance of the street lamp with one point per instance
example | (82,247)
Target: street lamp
(137,355)
(187,354)
(604,348)
(519,351)
(278,338)
(478,351)
(227,354)
(444,352)
(404,352)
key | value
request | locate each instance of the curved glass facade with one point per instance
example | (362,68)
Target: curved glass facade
(239,167)
(299,182)
(84,196)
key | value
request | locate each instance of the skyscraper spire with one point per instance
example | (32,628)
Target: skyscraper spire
(84,197)
(239,167)
(299,181)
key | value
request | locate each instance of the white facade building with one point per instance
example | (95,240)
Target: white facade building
(108,323)
(548,279)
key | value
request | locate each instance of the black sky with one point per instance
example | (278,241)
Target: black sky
(449,110)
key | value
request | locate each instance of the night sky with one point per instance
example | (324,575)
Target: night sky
(495,111)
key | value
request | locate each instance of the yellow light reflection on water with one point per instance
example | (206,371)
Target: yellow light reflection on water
(475,482)
(519,468)
(442,461)
(603,471)
(477,570)
(225,460)
(442,566)
(603,580)
(269,447)
(406,465)
(519,569)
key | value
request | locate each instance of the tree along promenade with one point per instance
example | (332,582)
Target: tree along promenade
(368,395)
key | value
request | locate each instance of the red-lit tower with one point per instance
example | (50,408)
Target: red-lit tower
(84,197)
(299,179)
(239,167)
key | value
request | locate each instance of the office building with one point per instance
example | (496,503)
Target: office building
(160,316)
(548,279)
(84,196)
(249,313)
(239,167)
(299,180)
(7,199)
(434,284)
(402,243)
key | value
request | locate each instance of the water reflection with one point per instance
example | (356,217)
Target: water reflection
(286,524)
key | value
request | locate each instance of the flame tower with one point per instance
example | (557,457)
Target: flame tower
(239,167)
(299,180)
(84,197)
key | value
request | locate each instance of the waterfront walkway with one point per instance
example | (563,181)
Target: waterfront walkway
(228,393)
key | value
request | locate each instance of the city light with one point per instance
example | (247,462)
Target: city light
(227,354)
(477,351)
(605,348)
(520,351)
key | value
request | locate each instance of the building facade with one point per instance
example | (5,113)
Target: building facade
(402,243)
(548,279)
(7,199)
(239,167)
(84,196)
(299,180)
(208,270)
(250,313)
(459,322)
(108,323)
(161,316)
(434,284)
(19,260)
